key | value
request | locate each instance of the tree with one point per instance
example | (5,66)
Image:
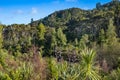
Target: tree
(40,35)
(61,37)
(101,38)
(98,5)
(88,69)
(32,20)
(111,34)
(53,69)
(41,31)
(53,43)
(53,38)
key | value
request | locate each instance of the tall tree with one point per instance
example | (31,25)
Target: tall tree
(40,35)
(61,37)
(53,38)
(41,31)
(101,39)
(98,5)
(111,34)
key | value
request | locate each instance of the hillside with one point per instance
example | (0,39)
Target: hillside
(77,22)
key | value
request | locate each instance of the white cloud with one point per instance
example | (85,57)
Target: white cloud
(71,0)
(34,11)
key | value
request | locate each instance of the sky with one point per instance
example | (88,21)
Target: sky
(21,11)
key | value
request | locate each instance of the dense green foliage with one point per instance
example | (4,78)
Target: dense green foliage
(71,44)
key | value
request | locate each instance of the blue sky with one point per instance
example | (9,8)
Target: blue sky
(21,11)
